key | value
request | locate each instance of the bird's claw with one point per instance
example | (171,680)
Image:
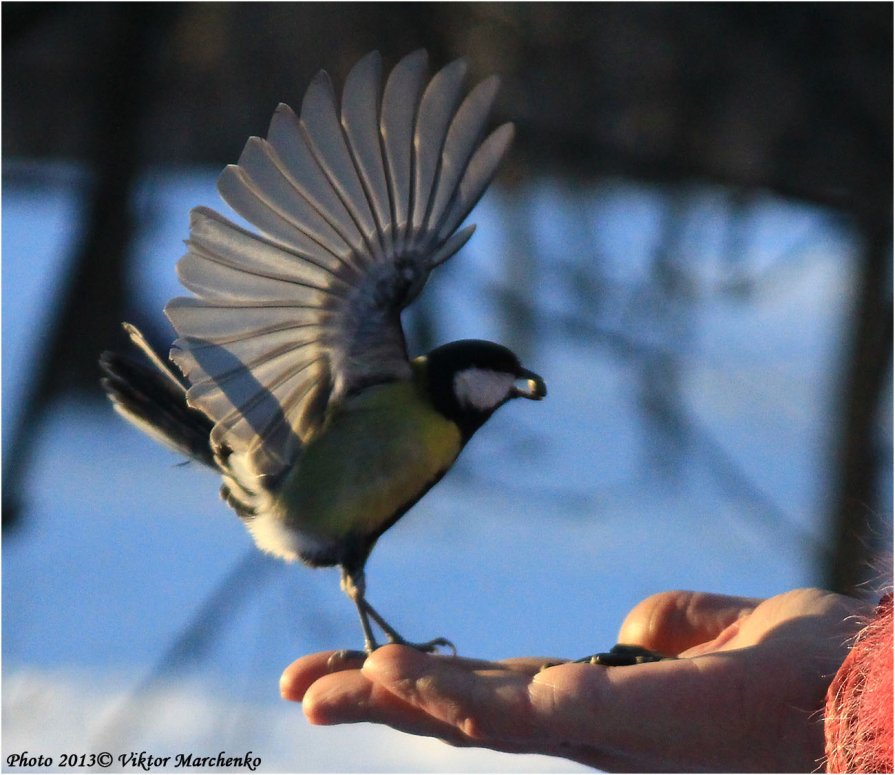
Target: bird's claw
(345,659)
(432,646)
(429,646)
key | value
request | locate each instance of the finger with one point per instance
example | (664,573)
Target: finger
(349,697)
(527,665)
(625,716)
(635,717)
(485,702)
(672,622)
(296,678)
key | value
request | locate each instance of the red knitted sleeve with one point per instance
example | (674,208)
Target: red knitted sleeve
(858,717)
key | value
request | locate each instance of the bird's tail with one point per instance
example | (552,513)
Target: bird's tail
(153,397)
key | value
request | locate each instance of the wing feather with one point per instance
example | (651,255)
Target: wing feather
(287,140)
(266,174)
(465,132)
(399,105)
(232,321)
(214,236)
(360,122)
(436,109)
(354,207)
(476,178)
(251,202)
(210,279)
(324,136)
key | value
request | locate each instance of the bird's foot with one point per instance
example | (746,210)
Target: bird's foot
(346,659)
(620,655)
(429,647)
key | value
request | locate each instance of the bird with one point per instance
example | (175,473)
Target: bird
(290,374)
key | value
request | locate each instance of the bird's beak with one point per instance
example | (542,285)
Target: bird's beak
(532,386)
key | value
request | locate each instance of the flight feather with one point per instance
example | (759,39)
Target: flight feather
(355,204)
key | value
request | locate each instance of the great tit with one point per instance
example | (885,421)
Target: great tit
(296,385)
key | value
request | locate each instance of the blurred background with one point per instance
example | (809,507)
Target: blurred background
(691,239)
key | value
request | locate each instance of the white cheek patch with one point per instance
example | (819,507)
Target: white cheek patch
(482,389)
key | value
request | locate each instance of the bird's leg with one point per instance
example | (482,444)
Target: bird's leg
(353,585)
(393,637)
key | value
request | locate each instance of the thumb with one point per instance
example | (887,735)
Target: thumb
(672,622)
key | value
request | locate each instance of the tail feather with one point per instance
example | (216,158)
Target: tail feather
(153,398)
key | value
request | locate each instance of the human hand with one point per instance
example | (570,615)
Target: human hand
(746,695)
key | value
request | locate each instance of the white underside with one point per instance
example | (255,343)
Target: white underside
(274,537)
(272,533)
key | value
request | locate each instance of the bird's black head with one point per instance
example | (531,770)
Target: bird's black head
(469,379)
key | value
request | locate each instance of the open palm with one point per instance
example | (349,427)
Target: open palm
(746,696)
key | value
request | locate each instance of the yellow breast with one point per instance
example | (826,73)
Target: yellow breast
(378,454)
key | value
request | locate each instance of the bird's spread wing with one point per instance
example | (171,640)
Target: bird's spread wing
(355,208)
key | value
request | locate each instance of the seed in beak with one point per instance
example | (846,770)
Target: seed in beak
(531,387)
